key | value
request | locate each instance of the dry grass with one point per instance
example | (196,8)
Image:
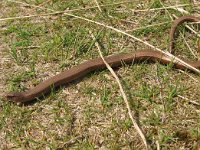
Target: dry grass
(90,113)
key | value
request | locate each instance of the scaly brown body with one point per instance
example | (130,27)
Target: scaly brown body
(97,64)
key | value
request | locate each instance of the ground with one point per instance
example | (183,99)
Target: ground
(90,113)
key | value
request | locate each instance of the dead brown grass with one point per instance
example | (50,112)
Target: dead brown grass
(91,114)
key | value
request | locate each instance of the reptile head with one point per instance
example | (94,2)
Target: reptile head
(15,97)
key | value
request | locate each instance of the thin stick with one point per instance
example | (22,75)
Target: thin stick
(28,16)
(192,30)
(173,58)
(157,145)
(190,101)
(26,4)
(148,26)
(29,47)
(155,9)
(172,20)
(184,72)
(167,9)
(45,2)
(123,94)
(98,5)
(188,46)
(78,9)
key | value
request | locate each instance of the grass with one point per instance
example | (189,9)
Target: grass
(34,49)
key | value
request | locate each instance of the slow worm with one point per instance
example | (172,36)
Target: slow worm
(97,64)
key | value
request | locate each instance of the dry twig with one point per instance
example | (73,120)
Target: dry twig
(192,30)
(190,49)
(156,9)
(172,57)
(123,94)
(148,26)
(190,101)
(78,9)
(98,5)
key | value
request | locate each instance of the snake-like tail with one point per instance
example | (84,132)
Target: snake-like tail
(176,23)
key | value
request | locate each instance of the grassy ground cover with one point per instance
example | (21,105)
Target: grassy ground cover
(90,113)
